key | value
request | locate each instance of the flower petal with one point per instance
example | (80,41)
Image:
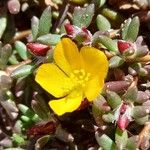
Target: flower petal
(53,80)
(95,61)
(66,56)
(93,88)
(67,104)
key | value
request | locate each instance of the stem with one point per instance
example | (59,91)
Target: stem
(11,68)
(62,15)
(20,35)
(145,59)
(144,133)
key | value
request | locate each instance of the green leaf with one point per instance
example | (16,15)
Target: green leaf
(42,102)
(50,39)
(97,109)
(26,119)
(38,109)
(115,62)
(13,60)
(113,99)
(45,22)
(131,94)
(79,1)
(28,114)
(102,23)
(140,111)
(131,144)
(109,118)
(82,17)
(63,135)
(121,138)
(142,120)
(99,3)
(18,127)
(114,16)
(5,53)
(105,142)
(25,110)
(130,29)
(18,139)
(3,22)
(34,27)
(22,71)
(108,43)
(10,107)
(22,50)
(41,142)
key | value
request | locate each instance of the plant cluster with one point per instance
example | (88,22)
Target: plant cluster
(74,74)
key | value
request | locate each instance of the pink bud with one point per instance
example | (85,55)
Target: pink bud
(81,35)
(69,29)
(123,45)
(123,108)
(123,122)
(38,49)
(84,29)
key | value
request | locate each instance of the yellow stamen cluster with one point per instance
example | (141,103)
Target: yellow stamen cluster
(80,77)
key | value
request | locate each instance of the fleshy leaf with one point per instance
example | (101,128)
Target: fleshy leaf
(131,29)
(113,99)
(22,50)
(105,142)
(3,22)
(99,3)
(131,144)
(23,71)
(34,27)
(102,23)
(121,138)
(82,17)
(50,39)
(142,120)
(42,141)
(5,53)
(45,22)
(131,94)
(109,118)
(108,43)
(115,62)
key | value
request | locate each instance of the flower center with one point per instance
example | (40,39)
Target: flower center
(80,77)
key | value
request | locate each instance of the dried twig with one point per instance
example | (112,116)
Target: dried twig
(144,133)
(20,35)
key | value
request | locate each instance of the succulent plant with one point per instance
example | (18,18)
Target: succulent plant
(119,118)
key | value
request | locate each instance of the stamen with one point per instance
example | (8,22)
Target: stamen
(80,77)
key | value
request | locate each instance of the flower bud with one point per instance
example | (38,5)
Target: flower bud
(81,35)
(123,116)
(123,45)
(38,49)
(123,122)
(69,29)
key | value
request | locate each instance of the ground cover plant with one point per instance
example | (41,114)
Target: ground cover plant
(74,74)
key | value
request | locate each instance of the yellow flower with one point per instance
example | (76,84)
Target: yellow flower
(73,76)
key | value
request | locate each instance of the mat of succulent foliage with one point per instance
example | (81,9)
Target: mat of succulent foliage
(74,74)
